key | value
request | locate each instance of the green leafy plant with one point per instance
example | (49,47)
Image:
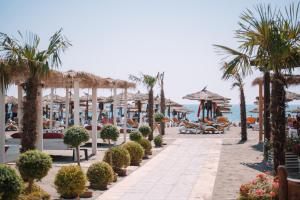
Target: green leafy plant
(33,165)
(135,136)
(109,132)
(10,183)
(146,144)
(100,174)
(136,152)
(119,158)
(145,130)
(70,181)
(158,117)
(158,140)
(76,136)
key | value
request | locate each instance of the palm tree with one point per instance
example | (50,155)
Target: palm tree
(37,63)
(162,100)
(239,61)
(271,37)
(148,81)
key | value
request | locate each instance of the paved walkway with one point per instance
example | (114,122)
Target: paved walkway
(186,169)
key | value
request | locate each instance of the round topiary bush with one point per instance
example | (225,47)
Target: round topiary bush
(76,136)
(135,136)
(136,152)
(146,144)
(109,132)
(10,183)
(70,181)
(158,140)
(37,193)
(158,117)
(119,158)
(33,165)
(145,130)
(100,174)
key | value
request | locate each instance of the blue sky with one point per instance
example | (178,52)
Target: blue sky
(115,38)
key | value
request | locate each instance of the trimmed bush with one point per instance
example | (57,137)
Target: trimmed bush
(70,181)
(158,140)
(146,144)
(36,193)
(76,136)
(100,174)
(135,136)
(119,158)
(158,117)
(109,132)
(33,165)
(136,152)
(10,183)
(145,130)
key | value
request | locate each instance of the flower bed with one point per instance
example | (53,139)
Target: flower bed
(263,188)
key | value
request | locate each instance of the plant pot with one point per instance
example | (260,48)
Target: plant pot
(69,197)
(115,178)
(87,194)
(121,172)
(135,163)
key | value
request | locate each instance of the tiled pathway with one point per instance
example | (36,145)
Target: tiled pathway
(186,169)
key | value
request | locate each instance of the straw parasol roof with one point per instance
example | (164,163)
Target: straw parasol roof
(290,80)
(11,100)
(289,96)
(56,98)
(130,97)
(56,79)
(182,110)
(205,94)
(254,110)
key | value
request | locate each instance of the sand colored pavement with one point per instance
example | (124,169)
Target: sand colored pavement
(185,169)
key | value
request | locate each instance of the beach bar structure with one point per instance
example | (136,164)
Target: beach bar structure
(66,80)
(289,79)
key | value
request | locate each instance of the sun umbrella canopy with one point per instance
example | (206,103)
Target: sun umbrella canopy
(254,110)
(205,95)
(11,100)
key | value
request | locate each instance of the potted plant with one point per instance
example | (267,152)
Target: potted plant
(110,133)
(75,137)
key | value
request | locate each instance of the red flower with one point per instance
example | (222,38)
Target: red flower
(259,192)
(272,194)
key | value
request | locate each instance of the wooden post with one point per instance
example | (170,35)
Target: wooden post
(260,113)
(125,114)
(76,103)
(20,107)
(51,110)
(283,184)
(67,112)
(94,121)
(2,124)
(39,144)
(115,106)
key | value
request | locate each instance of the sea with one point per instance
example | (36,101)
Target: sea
(234,116)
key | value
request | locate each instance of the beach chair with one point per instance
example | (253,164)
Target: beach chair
(250,121)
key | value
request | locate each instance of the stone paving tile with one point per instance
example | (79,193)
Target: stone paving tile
(186,169)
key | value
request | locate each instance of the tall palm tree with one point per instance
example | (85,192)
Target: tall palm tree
(237,61)
(149,82)
(274,36)
(162,100)
(26,53)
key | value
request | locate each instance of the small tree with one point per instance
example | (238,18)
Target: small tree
(76,136)
(109,132)
(145,130)
(33,165)
(10,183)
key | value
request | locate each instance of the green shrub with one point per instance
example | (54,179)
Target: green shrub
(145,130)
(158,140)
(136,152)
(36,193)
(158,117)
(70,181)
(100,174)
(109,132)
(76,136)
(119,158)
(33,165)
(10,183)
(146,144)
(135,136)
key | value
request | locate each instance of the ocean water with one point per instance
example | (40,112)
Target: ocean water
(234,116)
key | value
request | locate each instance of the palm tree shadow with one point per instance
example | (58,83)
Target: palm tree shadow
(258,147)
(263,166)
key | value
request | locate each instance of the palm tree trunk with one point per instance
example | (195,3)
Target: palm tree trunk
(243,115)
(29,136)
(267,125)
(150,113)
(278,119)
(162,109)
